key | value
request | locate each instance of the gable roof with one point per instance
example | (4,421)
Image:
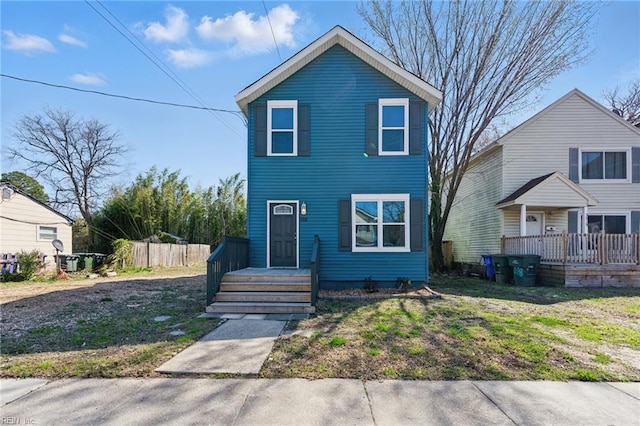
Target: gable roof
(35,200)
(575,92)
(519,195)
(338,35)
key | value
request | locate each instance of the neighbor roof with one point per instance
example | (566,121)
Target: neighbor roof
(518,196)
(35,200)
(338,35)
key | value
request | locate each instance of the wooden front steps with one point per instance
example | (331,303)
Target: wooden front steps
(264,291)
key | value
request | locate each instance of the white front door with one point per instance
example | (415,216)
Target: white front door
(534,224)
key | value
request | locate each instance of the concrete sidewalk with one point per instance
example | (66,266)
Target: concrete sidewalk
(319,402)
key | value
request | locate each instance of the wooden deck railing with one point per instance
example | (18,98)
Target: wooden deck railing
(577,248)
(315,261)
(232,254)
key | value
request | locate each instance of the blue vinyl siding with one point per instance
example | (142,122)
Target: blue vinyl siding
(337,86)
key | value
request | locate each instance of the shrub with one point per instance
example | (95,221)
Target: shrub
(30,264)
(370,285)
(403,283)
(122,255)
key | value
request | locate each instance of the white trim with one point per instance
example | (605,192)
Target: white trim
(297,215)
(39,227)
(603,180)
(380,198)
(403,102)
(282,104)
(338,35)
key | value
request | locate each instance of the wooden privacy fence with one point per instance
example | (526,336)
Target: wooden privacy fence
(162,254)
(577,248)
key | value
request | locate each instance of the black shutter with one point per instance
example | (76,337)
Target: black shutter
(573,165)
(260,131)
(572,226)
(344,225)
(416,232)
(304,130)
(635,221)
(415,128)
(635,165)
(371,129)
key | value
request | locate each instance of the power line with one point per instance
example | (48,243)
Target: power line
(130,98)
(158,63)
(271,28)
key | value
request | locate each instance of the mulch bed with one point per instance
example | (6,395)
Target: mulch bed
(383,293)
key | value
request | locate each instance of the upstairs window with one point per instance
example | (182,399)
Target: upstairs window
(393,131)
(604,166)
(282,128)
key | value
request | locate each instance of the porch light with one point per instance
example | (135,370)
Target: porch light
(303,209)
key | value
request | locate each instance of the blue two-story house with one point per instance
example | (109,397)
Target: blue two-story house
(337,167)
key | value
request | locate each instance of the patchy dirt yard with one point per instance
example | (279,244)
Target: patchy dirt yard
(106,327)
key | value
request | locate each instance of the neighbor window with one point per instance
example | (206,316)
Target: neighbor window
(282,119)
(48,233)
(610,224)
(604,165)
(380,222)
(393,131)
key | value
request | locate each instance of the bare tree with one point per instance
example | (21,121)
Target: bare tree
(489,58)
(626,105)
(76,157)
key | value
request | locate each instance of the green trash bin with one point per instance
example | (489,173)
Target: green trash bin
(72,263)
(86,262)
(504,273)
(525,268)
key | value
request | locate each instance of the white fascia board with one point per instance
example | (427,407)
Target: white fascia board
(339,35)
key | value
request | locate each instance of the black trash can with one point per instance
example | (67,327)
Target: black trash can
(504,273)
(525,269)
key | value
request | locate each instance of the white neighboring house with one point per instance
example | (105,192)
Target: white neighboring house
(28,224)
(574,167)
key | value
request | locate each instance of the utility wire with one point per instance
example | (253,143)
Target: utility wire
(158,63)
(130,98)
(271,28)
(163,66)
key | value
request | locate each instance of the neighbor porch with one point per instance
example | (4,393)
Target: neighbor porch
(582,260)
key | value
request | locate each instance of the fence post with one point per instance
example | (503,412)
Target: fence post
(565,247)
(502,244)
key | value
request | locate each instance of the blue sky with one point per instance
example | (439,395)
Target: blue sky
(216,49)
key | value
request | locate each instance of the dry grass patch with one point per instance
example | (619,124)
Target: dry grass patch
(101,328)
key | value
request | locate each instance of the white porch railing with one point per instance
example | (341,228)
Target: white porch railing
(577,248)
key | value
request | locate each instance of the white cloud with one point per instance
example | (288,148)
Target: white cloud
(175,30)
(189,58)
(251,35)
(27,44)
(66,38)
(89,79)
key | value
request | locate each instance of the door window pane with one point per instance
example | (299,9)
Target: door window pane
(615,224)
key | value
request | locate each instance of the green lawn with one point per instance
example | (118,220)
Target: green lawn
(477,330)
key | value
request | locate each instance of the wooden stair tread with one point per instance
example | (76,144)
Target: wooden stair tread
(261,307)
(252,287)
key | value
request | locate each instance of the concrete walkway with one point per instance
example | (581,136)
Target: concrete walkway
(237,346)
(319,402)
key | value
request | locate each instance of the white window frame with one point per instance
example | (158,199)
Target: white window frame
(39,233)
(270,131)
(626,214)
(603,151)
(380,198)
(393,102)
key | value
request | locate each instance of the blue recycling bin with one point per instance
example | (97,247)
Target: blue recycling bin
(486,260)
